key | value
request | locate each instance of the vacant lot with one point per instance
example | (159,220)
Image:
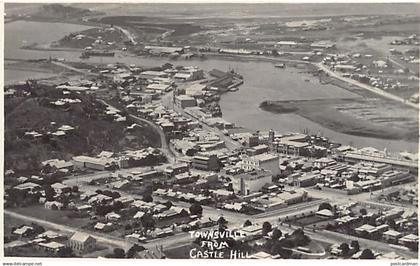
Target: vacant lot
(59,217)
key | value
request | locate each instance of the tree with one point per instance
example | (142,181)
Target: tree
(266,228)
(299,238)
(325,205)
(75,189)
(363,211)
(276,234)
(133,250)
(367,254)
(355,245)
(115,195)
(117,205)
(147,221)
(148,198)
(196,209)
(168,204)
(65,252)
(119,253)
(247,223)
(37,228)
(274,52)
(229,187)
(277,248)
(49,193)
(221,221)
(355,177)
(344,249)
(392,224)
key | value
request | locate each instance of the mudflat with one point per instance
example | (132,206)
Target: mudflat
(351,116)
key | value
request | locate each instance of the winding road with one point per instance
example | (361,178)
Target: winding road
(164,143)
(365,86)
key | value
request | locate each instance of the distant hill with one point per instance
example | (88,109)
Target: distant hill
(225,10)
(61,11)
(48,11)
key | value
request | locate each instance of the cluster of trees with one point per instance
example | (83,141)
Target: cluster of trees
(147,221)
(37,229)
(147,194)
(282,247)
(367,254)
(348,250)
(325,206)
(16,198)
(354,247)
(196,209)
(109,193)
(103,209)
(247,223)
(66,252)
(149,160)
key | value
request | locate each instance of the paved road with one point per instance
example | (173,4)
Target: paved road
(291,209)
(365,86)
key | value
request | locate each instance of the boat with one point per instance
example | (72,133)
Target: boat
(281,65)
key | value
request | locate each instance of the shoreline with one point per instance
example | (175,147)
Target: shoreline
(320,112)
(307,68)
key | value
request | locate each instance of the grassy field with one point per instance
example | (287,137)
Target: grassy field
(59,217)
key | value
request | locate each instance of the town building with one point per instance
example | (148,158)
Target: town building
(266,161)
(29,187)
(51,246)
(250,182)
(391,236)
(184,101)
(91,162)
(206,162)
(294,144)
(81,242)
(303,180)
(323,162)
(364,155)
(60,188)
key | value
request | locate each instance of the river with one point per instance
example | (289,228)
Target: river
(261,82)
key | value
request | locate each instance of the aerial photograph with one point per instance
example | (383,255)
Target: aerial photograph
(211,130)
